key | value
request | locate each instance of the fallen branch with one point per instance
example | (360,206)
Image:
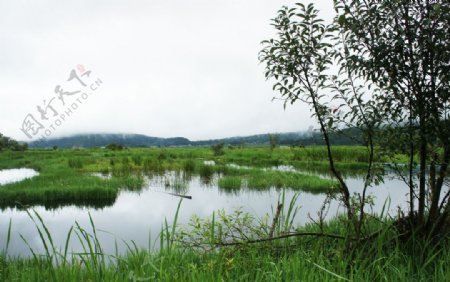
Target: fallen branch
(333,236)
(181,196)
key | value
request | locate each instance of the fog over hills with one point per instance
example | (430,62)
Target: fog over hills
(140,140)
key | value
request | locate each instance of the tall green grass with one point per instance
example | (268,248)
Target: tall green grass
(230,182)
(264,179)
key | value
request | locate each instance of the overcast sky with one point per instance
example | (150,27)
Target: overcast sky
(168,68)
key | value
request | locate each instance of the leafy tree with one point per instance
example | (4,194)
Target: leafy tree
(7,143)
(3,142)
(402,47)
(381,66)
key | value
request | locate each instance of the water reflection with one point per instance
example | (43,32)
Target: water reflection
(139,216)
(51,204)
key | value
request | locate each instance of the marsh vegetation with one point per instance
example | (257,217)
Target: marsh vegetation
(249,181)
(379,211)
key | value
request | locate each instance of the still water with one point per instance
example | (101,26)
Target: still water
(138,216)
(17,174)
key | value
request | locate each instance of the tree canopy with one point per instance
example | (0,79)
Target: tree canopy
(381,67)
(7,143)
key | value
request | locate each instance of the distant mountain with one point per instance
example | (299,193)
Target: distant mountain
(139,140)
(101,140)
(289,138)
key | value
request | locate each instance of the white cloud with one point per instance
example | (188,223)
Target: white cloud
(170,68)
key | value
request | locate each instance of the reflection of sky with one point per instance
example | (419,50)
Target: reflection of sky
(16,174)
(137,216)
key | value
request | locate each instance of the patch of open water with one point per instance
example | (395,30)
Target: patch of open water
(15,175)
(139,216)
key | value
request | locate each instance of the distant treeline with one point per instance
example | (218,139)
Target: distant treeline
(7,143)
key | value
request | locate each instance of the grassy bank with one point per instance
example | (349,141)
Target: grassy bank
(59,181)
(97,160)
(310,264)
(261,179)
